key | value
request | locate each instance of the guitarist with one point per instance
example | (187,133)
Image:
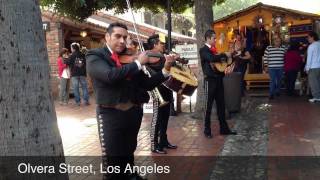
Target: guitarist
(213,84)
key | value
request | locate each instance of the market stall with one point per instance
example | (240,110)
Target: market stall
(257,25)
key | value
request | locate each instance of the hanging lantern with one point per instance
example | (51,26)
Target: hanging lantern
(83,33)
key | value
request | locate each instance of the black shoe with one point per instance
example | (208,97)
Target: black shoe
(277,94)
(159,151)
(173,113)
(170,146)
(208,135)
(228,132)
(271,97)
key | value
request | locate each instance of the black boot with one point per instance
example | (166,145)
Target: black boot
(165,143)
(227,131)
(172,111)
(170,146)
(159,150)
(207,133)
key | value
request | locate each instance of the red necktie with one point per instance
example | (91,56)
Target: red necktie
(116,59)
(213,49)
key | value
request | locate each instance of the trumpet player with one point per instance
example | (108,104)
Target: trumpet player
(161,105)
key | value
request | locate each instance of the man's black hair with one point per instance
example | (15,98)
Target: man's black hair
(116,24)
(314,35)
(153,40)
(75,46)
(209,34)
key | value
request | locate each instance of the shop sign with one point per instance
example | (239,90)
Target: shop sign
(188,51)
(46,26)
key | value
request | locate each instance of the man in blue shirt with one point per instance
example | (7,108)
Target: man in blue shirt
(313,66)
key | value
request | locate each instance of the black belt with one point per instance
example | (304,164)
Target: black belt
(121,106)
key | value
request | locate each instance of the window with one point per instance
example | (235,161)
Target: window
(147,18)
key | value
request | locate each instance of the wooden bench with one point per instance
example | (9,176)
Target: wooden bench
(257,80)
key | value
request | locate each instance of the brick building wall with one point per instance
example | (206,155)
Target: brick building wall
(54,41)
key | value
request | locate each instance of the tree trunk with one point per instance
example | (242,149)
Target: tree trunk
(27,115)
(204,20)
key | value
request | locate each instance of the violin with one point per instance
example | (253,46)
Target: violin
(179,59)
(131,54)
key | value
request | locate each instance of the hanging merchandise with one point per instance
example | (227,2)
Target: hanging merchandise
(221,39)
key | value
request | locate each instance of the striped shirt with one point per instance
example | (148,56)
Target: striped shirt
(274,56)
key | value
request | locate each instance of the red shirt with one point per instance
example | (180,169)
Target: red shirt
(292,61)
(61,66)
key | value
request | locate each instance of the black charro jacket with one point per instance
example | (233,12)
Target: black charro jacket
(114,85)
(155,68)
(207,57)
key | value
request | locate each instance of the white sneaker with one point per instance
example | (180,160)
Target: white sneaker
(313,100)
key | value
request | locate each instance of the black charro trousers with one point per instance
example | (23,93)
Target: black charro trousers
(159,125)
(214,91)
(118,132)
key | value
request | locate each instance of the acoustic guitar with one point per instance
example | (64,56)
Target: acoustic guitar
(223,64)
(219,66)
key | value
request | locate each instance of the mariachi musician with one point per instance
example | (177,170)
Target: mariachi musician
(213,83)
(120,90)
(161,110)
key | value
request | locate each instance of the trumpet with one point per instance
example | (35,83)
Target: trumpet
(155,93)
(128,56)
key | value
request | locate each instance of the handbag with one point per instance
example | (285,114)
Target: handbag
(66,73)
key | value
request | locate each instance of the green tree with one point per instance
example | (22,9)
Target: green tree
(81,9)
(27,115)
(231,6)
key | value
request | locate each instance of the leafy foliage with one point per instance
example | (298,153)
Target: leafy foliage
(231,6)
(81,9)
(181,21)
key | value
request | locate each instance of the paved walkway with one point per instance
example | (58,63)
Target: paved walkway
(281,127)
(294,128)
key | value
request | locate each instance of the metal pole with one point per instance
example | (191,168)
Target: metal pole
(169,24)
(134,25)
(172,111)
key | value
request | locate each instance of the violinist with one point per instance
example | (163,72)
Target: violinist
(161,113)
(120,90)
(132,44)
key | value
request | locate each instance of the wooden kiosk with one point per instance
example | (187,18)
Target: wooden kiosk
(258,24)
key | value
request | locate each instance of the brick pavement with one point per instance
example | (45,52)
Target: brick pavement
(295,127)
(284,127)
(294,139)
